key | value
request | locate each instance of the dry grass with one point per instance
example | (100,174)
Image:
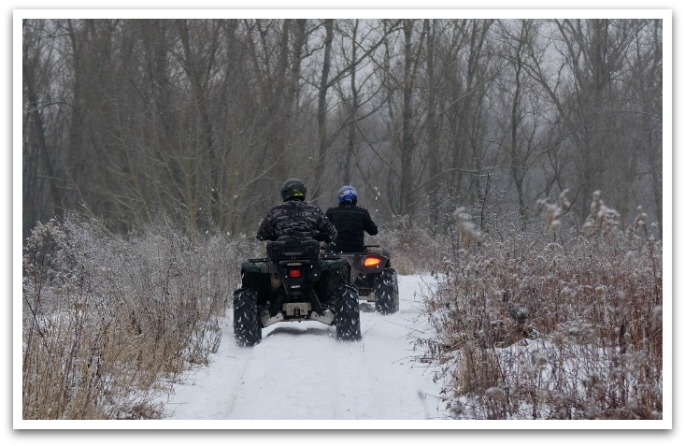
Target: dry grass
(559,326)
(107,318)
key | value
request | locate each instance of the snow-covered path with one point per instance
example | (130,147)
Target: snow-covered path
(300,372)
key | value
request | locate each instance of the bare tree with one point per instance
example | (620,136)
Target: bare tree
(322,108)
(522,143)
(40,169)
(200,121)
(594,55)
(407,143)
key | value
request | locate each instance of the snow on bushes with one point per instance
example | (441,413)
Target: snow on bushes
(533,328)
(107,317)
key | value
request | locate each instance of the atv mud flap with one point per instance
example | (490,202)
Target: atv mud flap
(326,318)
(297,312)
(266,320)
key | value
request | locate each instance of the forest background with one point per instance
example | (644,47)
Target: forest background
(198,122)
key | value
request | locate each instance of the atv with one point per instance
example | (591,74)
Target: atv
(296,282)
(375,280)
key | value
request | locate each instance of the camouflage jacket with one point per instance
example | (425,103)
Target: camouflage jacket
(298,218)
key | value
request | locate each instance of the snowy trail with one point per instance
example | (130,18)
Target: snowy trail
(300,372)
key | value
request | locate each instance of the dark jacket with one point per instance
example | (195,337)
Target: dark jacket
(296,218)
(351,221)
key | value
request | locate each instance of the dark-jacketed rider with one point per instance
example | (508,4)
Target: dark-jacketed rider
(351,221)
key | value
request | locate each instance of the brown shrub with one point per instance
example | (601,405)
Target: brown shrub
(566,328)
(108,319)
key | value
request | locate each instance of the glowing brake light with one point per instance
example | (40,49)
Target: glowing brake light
(294,273)
(370,261)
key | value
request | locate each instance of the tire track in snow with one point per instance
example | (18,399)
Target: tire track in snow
(300,372)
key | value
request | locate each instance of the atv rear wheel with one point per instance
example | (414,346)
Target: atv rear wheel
(246,328)
(386,292)
(347,326)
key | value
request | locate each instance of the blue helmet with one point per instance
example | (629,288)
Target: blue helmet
(347,194)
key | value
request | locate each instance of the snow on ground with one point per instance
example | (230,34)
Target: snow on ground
(300,372)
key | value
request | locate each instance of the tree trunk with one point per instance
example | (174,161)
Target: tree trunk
(321,114)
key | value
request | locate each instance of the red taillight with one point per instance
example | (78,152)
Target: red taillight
(371,261)
(294,273)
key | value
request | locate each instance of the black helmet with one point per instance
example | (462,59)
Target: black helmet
(293,189)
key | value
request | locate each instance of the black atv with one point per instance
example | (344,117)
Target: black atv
(296,282)
(375,280)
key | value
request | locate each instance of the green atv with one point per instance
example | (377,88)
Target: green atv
(295,282)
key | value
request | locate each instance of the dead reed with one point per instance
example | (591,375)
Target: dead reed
(558,325)
(108,318)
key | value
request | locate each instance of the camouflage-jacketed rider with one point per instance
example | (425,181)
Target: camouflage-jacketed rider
(295,217)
